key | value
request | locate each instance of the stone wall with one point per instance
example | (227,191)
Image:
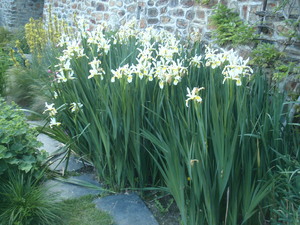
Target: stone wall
(15,13)
(179,16)
(185,16)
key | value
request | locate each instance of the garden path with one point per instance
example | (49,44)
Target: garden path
(126,209)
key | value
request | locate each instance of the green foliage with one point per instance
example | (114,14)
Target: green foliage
(5,63)
(265,55)
(27,82)
(9,54)
(229,28)
(283,69)
(20,85)
(25,202)
(286,199)
(83,211)
(204,2)
(291,29)
(122,102)
(5,36)
(215,160)
(19,41)
(18,143)
(161,207)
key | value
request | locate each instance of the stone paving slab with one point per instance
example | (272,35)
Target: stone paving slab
(51,146)
(66,190)
(126,209)
(74,164)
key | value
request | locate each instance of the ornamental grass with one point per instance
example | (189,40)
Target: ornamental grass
(148,111)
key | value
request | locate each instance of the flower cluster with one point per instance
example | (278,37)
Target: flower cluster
(52,111)
(196,61)
(124,71)
(169,72)
(127,31)
(73,49)
(153,62)
(235,66)
(96,69)
(214,59)
(64,72)
(98,38)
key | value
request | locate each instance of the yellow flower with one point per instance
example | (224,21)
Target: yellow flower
(96,69)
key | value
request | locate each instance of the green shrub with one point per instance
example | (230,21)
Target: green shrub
(283,69)
(265,55)
(229,28)
(25,202)
(27,82)
(18,143)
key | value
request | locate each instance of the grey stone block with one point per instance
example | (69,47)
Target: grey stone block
(66,190)
(126,209)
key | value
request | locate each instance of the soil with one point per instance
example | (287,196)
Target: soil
(164,210)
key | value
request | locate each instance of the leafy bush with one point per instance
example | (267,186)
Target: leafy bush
(18,143)
(25,202)
(27,85)
(229,28)
(265,55)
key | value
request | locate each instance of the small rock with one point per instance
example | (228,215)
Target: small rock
(153,21)
(161,2)
(152,12)
(100,7)
(190,15)
(187,3)
(181,23)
